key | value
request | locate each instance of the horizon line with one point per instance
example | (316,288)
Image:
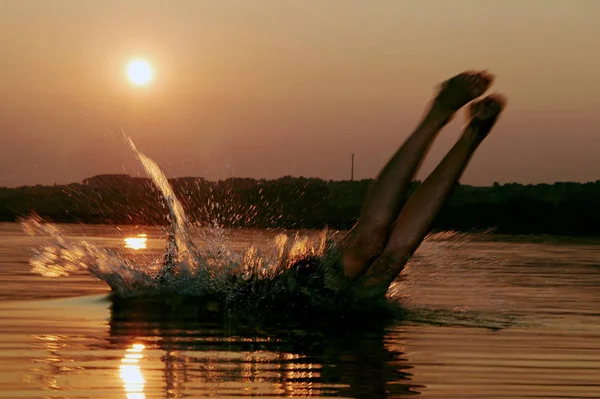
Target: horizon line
(125,175)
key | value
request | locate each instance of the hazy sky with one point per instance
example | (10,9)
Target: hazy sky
(273,88)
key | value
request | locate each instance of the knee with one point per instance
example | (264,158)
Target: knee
(374,241)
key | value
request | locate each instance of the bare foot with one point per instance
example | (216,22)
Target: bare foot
(485,112)
(456,92)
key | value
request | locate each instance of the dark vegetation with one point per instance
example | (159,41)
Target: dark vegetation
(288,202)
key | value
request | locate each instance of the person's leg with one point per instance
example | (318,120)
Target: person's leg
(385,198)
(417,215)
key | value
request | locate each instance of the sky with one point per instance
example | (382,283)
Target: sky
(266,89)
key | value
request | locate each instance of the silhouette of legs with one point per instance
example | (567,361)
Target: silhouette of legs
(385,199)
(417,215)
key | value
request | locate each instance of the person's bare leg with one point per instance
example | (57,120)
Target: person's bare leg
(417,215)
(385,198)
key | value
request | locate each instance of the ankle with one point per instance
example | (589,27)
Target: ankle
(438,114)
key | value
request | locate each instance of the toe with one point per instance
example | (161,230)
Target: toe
(490,106)
(486,80)
(500,99)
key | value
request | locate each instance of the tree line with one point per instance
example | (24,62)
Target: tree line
(298,202)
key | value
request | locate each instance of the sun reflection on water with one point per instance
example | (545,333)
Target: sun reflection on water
(136,243)
(131,373)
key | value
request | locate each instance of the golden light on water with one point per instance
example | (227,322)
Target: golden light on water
(139,72)
(136,243)
(131,373)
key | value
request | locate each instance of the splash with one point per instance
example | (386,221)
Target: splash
(294,266)
(181,251)
(297,272)
(250,279)
(63,257)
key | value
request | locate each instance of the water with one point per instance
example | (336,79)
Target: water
(486,319)
(294,273)
(246,313)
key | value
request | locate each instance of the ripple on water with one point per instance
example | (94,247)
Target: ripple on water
(549,346)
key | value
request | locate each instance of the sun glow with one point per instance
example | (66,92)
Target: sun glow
(139,72)
(138,242)
(131,374)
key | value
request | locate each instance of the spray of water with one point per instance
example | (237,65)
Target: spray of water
(181,251)
(297,271)
(215,272)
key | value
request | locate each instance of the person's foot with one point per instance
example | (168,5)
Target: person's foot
(458,91)
(485,112)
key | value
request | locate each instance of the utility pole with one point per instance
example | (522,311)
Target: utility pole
(352,169)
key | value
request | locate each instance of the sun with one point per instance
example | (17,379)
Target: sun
(139,72)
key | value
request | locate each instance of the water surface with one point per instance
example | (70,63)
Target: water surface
(488,318)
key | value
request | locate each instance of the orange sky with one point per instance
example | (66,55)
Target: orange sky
(273,88)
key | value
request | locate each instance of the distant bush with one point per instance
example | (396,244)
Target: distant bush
(288,202)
